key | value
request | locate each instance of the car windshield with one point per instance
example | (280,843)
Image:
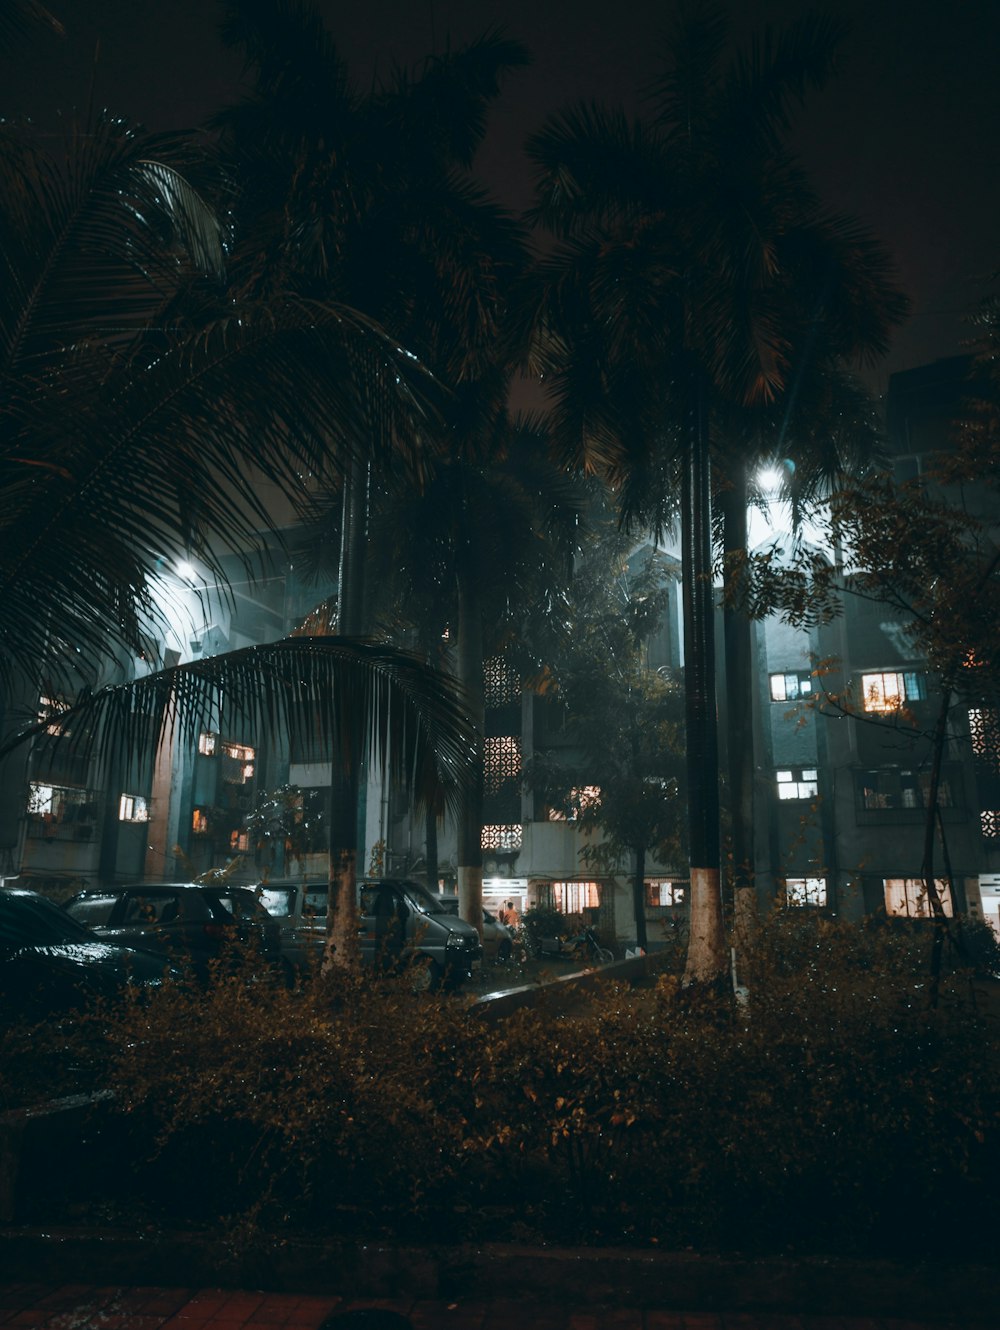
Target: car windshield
(27,920)
(423,900)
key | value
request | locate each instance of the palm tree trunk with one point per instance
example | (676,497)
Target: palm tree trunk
(737,637)
(345,775)
(431,847)
(470,674)
(706,958)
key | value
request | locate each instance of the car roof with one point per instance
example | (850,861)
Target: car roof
(151,888)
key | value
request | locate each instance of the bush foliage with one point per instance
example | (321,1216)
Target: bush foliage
(841,1113)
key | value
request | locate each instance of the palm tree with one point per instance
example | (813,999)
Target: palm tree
(695,268)
(370,197)
(143,402)
(488,535)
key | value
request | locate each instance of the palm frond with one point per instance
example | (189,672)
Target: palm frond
(773,73)
(21,18)
(181,454)
(360,698)
(450,96)
(593,164)
(682,97)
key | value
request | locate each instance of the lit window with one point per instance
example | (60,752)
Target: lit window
(207,743)
(40,798)
(199,822)
(572,897)
(133,808)
(791,687)
(48,707)
(587,796)
(884,692)
(894,788)
(661,891)
(503,837)
(60,810)
(907,897)
(239,841)
(797,783)
(238,763)
(805,891)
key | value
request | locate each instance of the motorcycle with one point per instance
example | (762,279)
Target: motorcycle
(583,948)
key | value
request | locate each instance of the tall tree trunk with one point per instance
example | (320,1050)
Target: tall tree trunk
(706,959)
(738,639)
(345,771)
(639,895)
(431,847)
(470,674)
(941,927)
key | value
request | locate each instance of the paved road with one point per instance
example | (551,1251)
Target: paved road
(81,1307)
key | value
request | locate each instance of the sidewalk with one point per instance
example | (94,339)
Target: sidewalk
(31,1306)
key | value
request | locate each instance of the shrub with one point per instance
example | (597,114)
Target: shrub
(841,1113)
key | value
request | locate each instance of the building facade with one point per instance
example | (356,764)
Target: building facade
(841,722)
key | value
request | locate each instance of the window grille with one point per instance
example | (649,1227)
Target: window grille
(989,820)
(509,837)
(501,685)
(501,762)
(984,728)
(573,897)
(61,812)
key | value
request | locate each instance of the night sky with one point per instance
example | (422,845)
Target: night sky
(906,137)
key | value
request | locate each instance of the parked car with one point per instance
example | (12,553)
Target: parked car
(498,938)
(49,963)
(300,909)
(402,923)
(191,922)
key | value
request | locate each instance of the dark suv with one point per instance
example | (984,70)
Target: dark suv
(190,922)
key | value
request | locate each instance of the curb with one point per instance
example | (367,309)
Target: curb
(572,1277)
(493,1006)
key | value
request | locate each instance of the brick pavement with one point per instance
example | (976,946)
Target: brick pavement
(32,1306)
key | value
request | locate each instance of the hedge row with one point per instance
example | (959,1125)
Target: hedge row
(840,1113)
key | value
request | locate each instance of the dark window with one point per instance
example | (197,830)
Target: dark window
(895,788)
(94,911)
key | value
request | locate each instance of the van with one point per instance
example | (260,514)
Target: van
(400,923)
(498,937)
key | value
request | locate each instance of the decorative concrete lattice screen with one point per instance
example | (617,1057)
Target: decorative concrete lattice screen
(502,837)
(501,686)
(989,820)
(984,727)
(501,763)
